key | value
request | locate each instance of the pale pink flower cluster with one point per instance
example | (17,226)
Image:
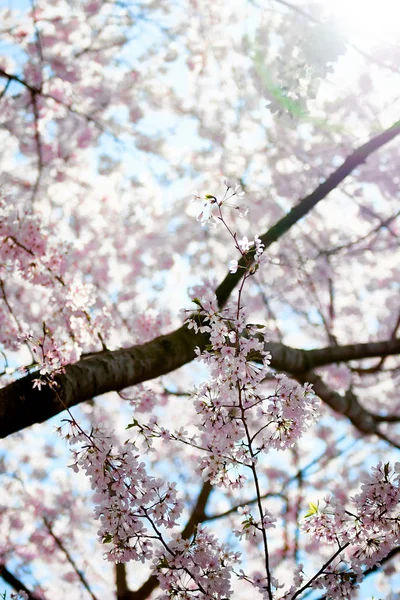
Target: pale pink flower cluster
(50,355)
(377,527)
(25,246)
(290,412)
(244,245)
(135,509)
(337,581)
(197,568)
(128,500)
(145,399)
(364,534)
(31,256)
(206,215)
(232,402)
(149,324)
(260,582)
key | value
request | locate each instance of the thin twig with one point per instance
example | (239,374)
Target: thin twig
(69,558)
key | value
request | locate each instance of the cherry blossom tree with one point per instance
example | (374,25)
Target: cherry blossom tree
(199,388)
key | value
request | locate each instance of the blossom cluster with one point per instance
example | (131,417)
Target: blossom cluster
(135,509)
(130,504)
(25,245)
(31,257)
(206,561)
(238,420)
(364,534)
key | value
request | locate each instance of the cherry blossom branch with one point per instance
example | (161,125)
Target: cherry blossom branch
(197,516)
(4,90)
(198,513)
(15,583)
(12,77)
(296,360)
(386,418)
(336,354)
(394,552)
(253,469)
(384,224)
(35,91)
(379,366)
(346,404)
(10,310)
(38,41)
(305,205)
(39,148)
(298,507)
(20,406)
(376,567)
(28,251)
(320,572)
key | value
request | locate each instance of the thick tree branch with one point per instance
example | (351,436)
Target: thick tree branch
(295,361)
(21,406)
(348,405)
(121,582)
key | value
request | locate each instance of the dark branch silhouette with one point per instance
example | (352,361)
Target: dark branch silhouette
(15,583)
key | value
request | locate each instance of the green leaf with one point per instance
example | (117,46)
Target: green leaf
(107,539)
(312,510)
(163,563)
(253,356)
(386,469)
(135,423)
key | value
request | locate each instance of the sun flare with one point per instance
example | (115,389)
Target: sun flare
(371,21)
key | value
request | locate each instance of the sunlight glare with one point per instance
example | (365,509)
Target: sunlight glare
(369,20)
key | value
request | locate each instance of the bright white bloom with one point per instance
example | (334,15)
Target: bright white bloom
(233,266)
(244,244)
